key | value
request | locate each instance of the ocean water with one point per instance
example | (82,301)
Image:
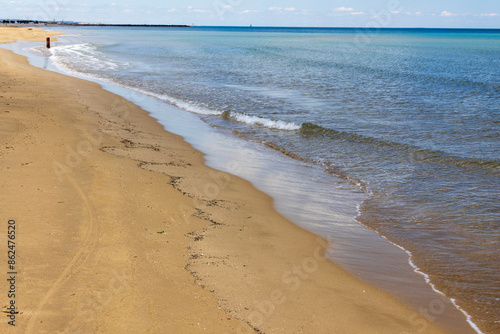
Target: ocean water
(409,118)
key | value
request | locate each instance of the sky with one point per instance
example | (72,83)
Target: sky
(297,13)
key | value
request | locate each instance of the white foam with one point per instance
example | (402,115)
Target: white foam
(247,119)
(467,316)
(84,60)
(201,110)
(191,107)
(79,59)
(83,57)
(436,290)
(427,278)
(268,123)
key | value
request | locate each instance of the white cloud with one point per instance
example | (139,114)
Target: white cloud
(173,10)
(195,10)
(248,11)
(447,14)
(416,13)
(275,9)
(127,11)
(344,9)
(290,9)
(489,14)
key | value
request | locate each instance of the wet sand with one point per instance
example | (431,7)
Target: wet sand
(121,227)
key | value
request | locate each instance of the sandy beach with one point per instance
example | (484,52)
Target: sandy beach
(121,228)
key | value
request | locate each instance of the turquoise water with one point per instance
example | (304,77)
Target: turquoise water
(409,117)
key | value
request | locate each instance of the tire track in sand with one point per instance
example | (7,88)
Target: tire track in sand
(77,260)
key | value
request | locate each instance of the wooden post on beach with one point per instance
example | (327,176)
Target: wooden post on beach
(48,42)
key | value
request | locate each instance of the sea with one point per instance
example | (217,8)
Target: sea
(384,141)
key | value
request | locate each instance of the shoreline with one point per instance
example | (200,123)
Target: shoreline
(223,218)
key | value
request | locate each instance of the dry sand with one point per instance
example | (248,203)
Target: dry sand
(121,228)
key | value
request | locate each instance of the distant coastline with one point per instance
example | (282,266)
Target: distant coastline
(10,22)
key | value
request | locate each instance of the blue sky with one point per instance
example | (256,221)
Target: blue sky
(326,13)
